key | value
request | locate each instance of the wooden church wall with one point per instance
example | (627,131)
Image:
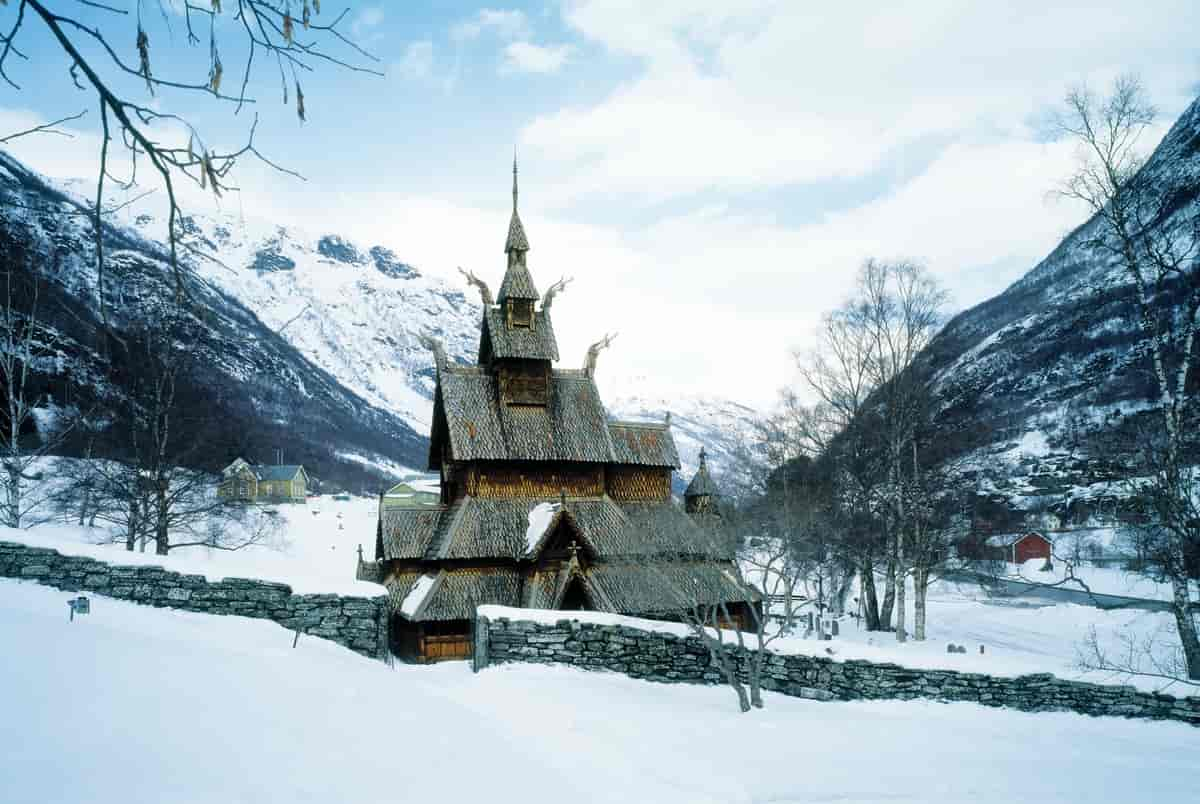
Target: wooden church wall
(508,481)
(634,483)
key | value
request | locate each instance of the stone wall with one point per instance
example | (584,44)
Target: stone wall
(672,658)
(358,623)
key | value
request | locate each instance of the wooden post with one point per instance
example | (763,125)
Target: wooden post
(479,654)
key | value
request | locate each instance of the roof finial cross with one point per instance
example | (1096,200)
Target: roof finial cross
(514,178)
(573,549)
(703,456)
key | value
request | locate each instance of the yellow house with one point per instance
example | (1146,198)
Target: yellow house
(245,482)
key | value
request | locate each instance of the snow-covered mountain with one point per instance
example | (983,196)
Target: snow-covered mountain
(305,321)
(1028,378)
(356,312)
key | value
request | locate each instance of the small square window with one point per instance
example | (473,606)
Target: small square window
(520,314)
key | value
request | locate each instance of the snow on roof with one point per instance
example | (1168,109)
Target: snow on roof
(539,519)
(416,596)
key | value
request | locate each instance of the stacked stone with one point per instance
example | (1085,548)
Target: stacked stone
(357,623)
(670,658)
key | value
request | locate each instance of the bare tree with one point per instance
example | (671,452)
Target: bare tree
(1155,241)
(151,492)
(24,342)
(284,32)
(1156,655)
(841,430)
(871,397)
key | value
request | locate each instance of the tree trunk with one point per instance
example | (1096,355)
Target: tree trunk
(12,509)
(1185,623)
(756,668)
(131,527)
(889,596)
(920,588)
(869,597)
(901,603)
(161,538)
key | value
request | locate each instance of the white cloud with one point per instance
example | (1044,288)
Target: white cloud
(526,57)
(505,23)
(417,62)
(363,28)
(762,94)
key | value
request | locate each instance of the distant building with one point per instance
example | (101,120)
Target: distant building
(402,495)
(1017,548)
(243,481)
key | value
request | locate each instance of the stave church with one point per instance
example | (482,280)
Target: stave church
(546,502)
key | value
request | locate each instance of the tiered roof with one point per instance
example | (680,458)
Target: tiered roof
(630,557)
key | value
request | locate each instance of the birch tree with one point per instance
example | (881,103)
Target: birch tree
(1153,238)
(24,342)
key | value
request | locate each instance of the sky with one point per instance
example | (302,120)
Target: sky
(711,174)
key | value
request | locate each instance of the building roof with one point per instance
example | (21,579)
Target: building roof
(517,282)
(474,528)
(702,484)
(643,443)
(572,426)
(283,472)
(537,343)
(1009,539)
(619,587)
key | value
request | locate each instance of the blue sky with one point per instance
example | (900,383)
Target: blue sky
(711,173)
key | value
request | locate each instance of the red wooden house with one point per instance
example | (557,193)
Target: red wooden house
(1017,548)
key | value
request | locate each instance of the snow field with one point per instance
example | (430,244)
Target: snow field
(312,553)
(133,704)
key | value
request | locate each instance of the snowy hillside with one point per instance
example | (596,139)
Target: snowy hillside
(355,312)
(1025,378)
(219,717)
(238,369)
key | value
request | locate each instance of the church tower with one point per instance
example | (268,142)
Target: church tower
(517,340)
(701,494)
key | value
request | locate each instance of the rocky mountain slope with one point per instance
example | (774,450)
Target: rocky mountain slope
(1028,379)
(267,395)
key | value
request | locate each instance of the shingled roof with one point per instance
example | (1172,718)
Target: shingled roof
(702,484)
(517,282)
(475,528)
(284,472)
(572,426)
(537,343)
(643,443)
(619,587)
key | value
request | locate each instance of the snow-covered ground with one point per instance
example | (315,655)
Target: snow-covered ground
(1017,639)
(1097,580)
(132,704)
(315,551)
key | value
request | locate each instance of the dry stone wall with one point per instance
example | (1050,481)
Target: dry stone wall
(358,623)
(670,658)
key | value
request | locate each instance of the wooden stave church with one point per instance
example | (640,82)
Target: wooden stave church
(512,434)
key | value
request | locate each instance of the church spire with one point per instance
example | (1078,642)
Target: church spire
(517,242)
(698,499)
